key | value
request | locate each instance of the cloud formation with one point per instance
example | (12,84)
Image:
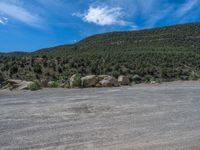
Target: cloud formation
(104,16)
(19,13)
(3,20)
(57,25)
(187,7)
(108,13)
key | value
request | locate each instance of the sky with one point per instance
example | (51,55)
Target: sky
(29,25)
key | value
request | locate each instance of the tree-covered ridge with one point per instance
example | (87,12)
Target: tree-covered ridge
(181,37)
(162,54)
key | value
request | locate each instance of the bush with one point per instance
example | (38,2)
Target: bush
(53,84)
(194,76)
(148,78)
(35,86)
(14,70)
(136,79)
(184,77)
(37,68)
(1,78)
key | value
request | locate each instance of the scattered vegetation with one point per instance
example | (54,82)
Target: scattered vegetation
(75,81)
(35,86)
(54,84)
(163,54)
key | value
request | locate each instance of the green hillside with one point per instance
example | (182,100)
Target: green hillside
(179,37)
(14,54)
(167,53)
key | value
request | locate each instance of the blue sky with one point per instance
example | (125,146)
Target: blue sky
(28,25)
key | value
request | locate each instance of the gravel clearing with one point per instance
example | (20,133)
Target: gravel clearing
(140,117)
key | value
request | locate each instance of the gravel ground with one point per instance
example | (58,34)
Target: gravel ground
(141,117)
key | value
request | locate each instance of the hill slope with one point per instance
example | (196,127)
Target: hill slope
(179,37)
(15,54)
(167,53)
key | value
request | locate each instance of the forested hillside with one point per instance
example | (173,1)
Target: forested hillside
(162,54)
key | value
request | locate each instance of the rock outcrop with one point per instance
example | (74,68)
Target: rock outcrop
(75,81)
(101,77)
(93,81)
(107,81)
(153,82)
(19,84)
(14,82)
(89,81)
(123,80)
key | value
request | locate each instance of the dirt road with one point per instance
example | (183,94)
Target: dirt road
(142,117)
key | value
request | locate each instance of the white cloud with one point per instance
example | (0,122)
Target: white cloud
(20,13)
(3,20)
(104,16)
(186,7)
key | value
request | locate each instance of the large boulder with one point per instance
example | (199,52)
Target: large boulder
(153,82)
(50,84)
(89,81)
(107,81)
(101,77)
(25,85)
(19,84)
(123,80)
(75,81)
(12,81)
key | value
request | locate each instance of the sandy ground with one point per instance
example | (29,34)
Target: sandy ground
(141,117)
